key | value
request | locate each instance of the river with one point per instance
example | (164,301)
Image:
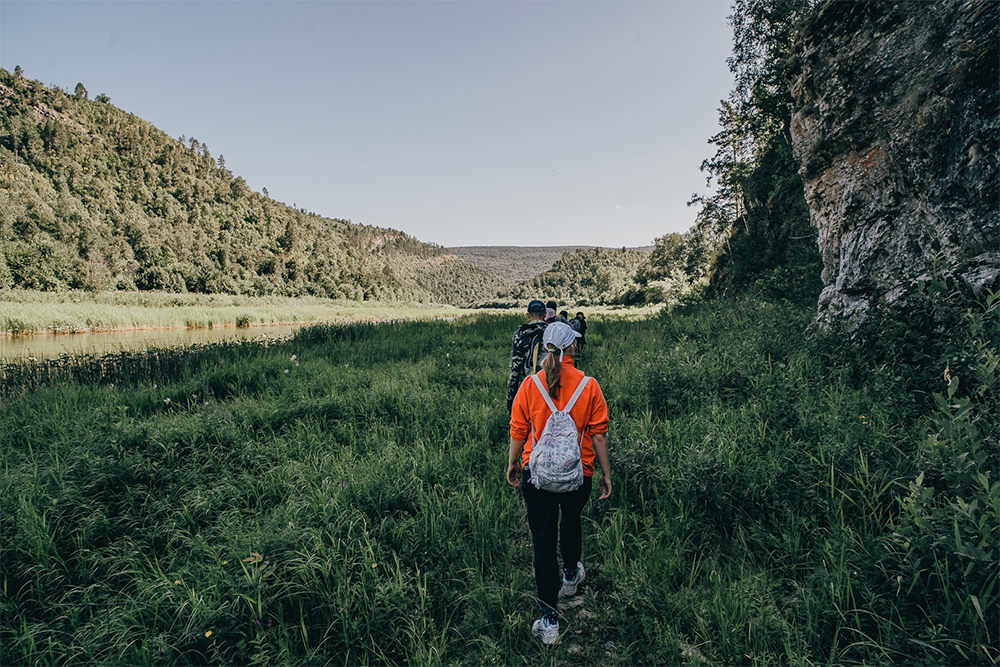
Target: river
(48,346)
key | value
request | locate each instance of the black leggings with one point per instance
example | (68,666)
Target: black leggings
(546,525)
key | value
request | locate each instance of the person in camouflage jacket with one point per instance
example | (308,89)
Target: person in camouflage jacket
(519,348)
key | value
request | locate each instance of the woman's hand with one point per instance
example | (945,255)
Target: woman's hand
(514,462)
(514,475)
(605,487)
(600,441)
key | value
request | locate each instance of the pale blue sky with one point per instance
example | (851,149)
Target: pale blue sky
(460,123)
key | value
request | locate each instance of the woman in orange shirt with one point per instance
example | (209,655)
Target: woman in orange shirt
(528,416)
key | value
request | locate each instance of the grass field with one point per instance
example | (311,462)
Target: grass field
(24,311)
(340,499)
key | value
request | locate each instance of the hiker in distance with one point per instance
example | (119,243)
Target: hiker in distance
(558,426)
(525,349)
(550,311)
(579,324)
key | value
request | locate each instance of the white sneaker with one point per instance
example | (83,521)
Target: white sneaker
(548,632)
(569,586)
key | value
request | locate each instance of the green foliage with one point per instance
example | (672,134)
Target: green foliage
(92,196)
(947,531)
(514,264)
(676,271)
(339,498)
(933,325)
(758,210)
(753,232)
(590,276)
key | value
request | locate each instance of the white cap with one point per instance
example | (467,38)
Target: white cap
(560,336)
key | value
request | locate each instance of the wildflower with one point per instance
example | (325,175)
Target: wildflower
(177,582)
(286,371)
(374,565)
(295,357)
(947,373)
(208,634)
(225,562)
(167,400)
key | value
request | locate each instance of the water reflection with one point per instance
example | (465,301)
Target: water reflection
(49,346)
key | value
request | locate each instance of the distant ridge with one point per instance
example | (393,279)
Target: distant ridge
(518,264)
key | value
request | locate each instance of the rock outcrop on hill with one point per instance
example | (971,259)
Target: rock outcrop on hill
(896,133)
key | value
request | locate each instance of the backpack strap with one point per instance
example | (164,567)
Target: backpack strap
(576,394)
(548,399)
(545,393)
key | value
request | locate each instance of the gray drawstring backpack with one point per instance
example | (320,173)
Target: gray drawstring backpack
(554,461)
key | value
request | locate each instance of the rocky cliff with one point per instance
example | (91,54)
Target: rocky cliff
(896,134)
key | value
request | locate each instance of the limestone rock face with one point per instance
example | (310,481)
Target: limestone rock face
(896,134)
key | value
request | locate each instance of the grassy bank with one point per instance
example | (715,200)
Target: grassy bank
(339,498)
(24,311)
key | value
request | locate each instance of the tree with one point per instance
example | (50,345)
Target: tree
(758,207)
(103,99)
(80,91)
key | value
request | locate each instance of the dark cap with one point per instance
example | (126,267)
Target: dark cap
(536,306)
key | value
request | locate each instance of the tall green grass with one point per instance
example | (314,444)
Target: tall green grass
(340,498)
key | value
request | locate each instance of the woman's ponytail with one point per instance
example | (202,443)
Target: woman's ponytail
(553,369)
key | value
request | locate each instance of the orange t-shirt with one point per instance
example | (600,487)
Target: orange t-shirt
(590,413)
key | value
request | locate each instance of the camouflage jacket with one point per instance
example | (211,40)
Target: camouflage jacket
(518,356)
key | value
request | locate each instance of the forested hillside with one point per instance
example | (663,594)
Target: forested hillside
(96,198)
(591,276)
(514,264)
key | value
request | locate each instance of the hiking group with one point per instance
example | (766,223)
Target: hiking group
(558,430)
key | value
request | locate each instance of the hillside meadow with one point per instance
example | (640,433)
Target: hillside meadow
(339,498)
(76,311)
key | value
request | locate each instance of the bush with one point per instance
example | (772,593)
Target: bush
(947,533)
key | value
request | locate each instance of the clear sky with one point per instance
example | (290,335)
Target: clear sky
(461,123)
